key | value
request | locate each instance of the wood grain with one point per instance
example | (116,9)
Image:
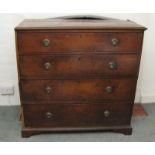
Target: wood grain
(49,24)
(71,95)
(79,66)
(78,90)
(76,115)
(31,42)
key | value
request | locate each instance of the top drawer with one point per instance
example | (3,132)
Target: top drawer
(50,42)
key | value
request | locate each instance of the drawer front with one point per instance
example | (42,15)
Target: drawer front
(79,66)
(41,42)
(76,115)
(78,90)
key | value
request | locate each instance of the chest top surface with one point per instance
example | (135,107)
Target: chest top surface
(79,22)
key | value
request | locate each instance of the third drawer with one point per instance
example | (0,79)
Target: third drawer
(69,91)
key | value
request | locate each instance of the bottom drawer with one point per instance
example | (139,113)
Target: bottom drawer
(76,115)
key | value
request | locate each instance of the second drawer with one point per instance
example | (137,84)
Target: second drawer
(95,90)
(81,65)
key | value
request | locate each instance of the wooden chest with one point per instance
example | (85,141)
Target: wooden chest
(77,74)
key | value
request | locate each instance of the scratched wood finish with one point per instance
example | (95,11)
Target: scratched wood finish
(63,85)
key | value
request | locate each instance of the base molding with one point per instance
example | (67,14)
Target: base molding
(28,132)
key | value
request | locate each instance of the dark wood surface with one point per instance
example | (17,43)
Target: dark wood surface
(123,129)
(78,90)
(79,66)
(76,115)
(70,93)
(33,24)
(31,42)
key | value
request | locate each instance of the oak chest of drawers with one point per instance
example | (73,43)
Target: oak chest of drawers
(77,74)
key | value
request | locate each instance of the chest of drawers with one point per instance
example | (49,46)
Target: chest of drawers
(77,74)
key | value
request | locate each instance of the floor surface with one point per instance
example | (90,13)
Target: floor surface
(143,130)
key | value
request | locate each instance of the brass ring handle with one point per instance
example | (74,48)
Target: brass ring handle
(46,42)
(109,89)
(49,115)
(114,41)
(112,65)
(47,65)
(106,113)
(48,90)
